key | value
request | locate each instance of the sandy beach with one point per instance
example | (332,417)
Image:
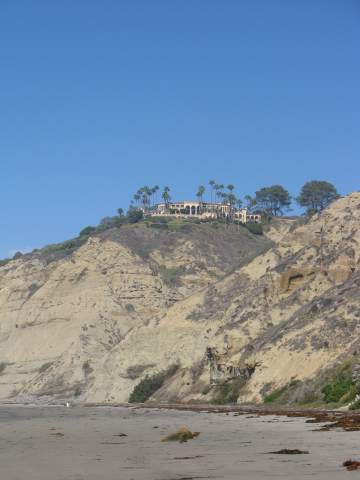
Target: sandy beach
(56,443)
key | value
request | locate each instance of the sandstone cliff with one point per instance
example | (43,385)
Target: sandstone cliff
(135,300)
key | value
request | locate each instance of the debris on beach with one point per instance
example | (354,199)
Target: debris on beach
(289,451)
(351,464)
(189,458)
(120,435)
(182,435)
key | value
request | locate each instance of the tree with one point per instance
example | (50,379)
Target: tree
(137,197)
(144,195)
(134,215)
(120,212)
(154,191)
(239,203)
(146,198)
(218,191)
(108,222)
(274,200)
(87,231)
(250,202)
(200,193)
(212,184)
(317,195)
(166,195)
(231,199)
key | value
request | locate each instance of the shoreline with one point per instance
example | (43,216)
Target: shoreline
(346,420)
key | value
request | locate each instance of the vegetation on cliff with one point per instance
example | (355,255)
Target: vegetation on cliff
(333,387)
(150,384)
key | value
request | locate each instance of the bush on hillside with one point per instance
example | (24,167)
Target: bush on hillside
(333,392)
(110,222)
(334,386)
(87,231)
(255,228)
(134,215)
(171,275)
(228,392)
(150,384)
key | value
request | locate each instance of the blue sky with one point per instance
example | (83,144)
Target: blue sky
(100,97)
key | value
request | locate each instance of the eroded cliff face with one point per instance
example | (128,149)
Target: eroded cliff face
(136,300)
(93,323)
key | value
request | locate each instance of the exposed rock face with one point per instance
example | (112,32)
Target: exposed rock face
(90,324)
(135,300)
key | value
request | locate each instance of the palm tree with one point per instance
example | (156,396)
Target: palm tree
(218,191)
(154,191)
(148,192)
(166,196)
(239,203)
(137,197)
(231,199)
(212,184)
(250,202)
(224,197)
(200,193)
(144,199)
(120,212)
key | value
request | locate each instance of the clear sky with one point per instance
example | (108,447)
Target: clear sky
(99,97)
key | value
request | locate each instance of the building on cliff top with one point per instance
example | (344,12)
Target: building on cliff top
(205,210)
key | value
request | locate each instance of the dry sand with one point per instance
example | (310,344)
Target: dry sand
(55,443)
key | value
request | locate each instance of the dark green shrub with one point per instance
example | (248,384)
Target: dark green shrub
(150,384)
(77,391)
(171,275)
(194,315)
(33,288)
(281,394)
(228,392)
(275,395)
(110,222)
(60,250)
(87,368)
(255,228)
(134,215)
(160,226)
(162,220)
(130,307)
(87,231)
(337,389)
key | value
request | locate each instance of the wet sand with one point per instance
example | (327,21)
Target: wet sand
(105,443)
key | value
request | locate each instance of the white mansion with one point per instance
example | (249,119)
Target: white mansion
(205,210)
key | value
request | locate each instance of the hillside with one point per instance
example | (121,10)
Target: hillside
(68,310)
(138,300)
